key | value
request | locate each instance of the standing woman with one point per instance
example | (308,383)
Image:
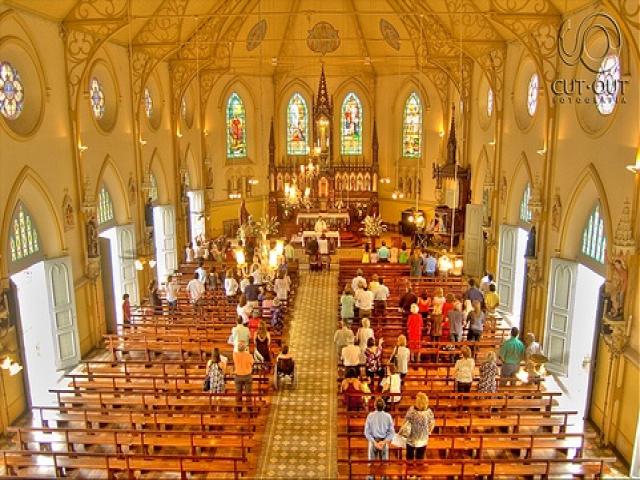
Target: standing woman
(230,285)
(420,421)
(347,303)
(488,373)
(262,341)
(463,371)
(400,356)
(280,287)
(364,333)
(189,254)
(414,332)
(424,304)
(436,314)
(154,297)
(475,319)
(215,370)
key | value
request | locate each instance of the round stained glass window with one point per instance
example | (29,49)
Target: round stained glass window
(532,94)
(148,103)
(607,84)
(489,102)
(96,95)
(11,92)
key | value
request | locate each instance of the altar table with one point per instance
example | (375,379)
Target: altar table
(329,234)
(326,216)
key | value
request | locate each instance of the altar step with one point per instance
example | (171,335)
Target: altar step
(350,240)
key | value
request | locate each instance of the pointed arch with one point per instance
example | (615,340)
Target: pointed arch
(587,192)
(192,168)
(236,126)
(351,125)
(30,190)
(412,138)
(522,175)
(297,125)
(157,170)
(480,170)
(112,180)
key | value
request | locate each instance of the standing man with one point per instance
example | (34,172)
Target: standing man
(243,364)
(379,431)
(380,296)
(251,291)
(511,354)
(196,292)
(383,253)
(171,294)
(473,293)
(343,337)
(430,265)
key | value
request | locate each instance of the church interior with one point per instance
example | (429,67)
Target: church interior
(206,206)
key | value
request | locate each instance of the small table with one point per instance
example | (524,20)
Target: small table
(312,233)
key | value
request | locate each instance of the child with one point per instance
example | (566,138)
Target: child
(392,383)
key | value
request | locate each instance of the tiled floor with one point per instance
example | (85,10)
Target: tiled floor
(300,441)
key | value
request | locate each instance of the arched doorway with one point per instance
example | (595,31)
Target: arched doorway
(42,298)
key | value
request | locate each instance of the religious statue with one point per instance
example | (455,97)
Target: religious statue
(132,189)
(530,251)
(210,177)
(503,190)
(616,287)
(338,183)
(556,212)
(148,213)
(244,213)
(92,238)
(68,213)
(321,225)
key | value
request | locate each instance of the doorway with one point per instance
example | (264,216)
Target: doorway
(164,228)
(570,339)
(511,272)
(47,325)
(106,275)
(196,214)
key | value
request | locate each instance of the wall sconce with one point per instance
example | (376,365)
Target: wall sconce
(142,141)
(206,132)
(82,148)
(385,180)
(253,181)
(635,168)
(492,142)
(179,134)
(13,367)
(542,151)
(234,196)
(441,133)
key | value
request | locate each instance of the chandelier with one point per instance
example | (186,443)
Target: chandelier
(294,197)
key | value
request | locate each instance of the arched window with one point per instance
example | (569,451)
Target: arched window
(96,96)
(532,94)
(525,213)
(153,188)
(594,240)
(607,84)
(351,125)
(148,103)
(11,92)
(105,207)
(23,237)
(297,125)
(412,127)
(236,127)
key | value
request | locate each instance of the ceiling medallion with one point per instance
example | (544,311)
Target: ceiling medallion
(323,38)
(390,34)
(256,35)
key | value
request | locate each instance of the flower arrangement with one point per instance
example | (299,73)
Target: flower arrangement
(267,226)
(372,226)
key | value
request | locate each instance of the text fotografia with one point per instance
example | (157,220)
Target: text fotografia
(599,92)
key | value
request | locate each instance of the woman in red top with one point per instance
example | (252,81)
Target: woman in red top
(424,305)
(446,307)
(414,332)
(254,322)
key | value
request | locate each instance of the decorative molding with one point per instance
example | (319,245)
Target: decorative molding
(323,38)
(256,35)
(390,34)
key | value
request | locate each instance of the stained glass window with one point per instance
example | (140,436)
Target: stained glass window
(105,207)
(525,213)
(351,120)
(236,127)
(97,98)
(148,103)
(532,94)
(594,240)
(153,188)
(23,237)
(489,102)
(607,84)
(11,92)
(412,127)
(297,125)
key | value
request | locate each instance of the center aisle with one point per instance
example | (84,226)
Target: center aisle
(300,441)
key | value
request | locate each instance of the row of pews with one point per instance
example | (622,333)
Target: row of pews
(518,432)
(139,411)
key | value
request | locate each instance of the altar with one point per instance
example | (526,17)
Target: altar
(332,218)
(330,234)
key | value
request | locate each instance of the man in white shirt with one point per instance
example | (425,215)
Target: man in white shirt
(485,282)
(195,289)
(351,355)
(201,271)
(289,251)
(171,293)
(364,301)
(380,296)
(357,280)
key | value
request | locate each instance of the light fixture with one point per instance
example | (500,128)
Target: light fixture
(152,263)
(542,151)
(234,196)
(13,367)
(444,264)
(441,133)
(6,363)
(385,180)
(142,141)
(253,181)
(492,142)
(635,168)
(457,267)
(206,132)
(139,265)
(82,148)
(179,134)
